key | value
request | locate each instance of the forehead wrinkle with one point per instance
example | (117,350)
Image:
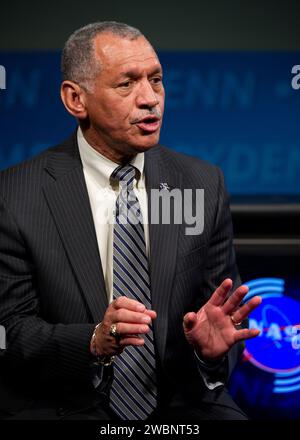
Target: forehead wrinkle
(136,71)
(131,62)
(114,52)
(126,69)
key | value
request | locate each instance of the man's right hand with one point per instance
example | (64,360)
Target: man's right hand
(132,320)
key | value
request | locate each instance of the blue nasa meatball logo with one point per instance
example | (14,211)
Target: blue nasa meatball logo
(277,348)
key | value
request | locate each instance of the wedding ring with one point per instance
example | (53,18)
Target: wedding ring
(235,323)
(113,331)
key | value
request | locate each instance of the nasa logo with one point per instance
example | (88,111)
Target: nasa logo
(277,348)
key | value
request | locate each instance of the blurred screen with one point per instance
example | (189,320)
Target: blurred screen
(238,110)
(266,383)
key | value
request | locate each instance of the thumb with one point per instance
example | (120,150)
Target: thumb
(189,321)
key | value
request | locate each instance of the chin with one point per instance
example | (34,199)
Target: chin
(147,142)
(143,148)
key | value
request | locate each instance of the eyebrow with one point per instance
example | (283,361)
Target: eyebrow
(134,73)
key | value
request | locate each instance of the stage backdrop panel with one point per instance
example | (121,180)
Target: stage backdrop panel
(235,109)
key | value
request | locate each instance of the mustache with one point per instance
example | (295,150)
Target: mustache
(152,112)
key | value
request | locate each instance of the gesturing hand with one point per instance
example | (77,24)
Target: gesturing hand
(213,330)
(131,319)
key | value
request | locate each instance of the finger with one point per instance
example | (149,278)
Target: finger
(233,302)
(189,320)
(133,305)
(138,341)
(243,312)
(151,313)
(244,334)
(220,294)
(128,303)
(131,329)
(124,315)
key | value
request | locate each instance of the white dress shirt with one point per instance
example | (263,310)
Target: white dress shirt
(97,171)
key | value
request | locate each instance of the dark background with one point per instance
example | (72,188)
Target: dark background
(204,25)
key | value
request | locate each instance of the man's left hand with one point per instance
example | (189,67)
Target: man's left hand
(216,327)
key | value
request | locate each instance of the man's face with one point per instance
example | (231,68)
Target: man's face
(126,107)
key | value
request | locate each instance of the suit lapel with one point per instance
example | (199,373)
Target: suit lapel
(163,245)
(69,204)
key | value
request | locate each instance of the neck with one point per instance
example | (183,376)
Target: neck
(112,153)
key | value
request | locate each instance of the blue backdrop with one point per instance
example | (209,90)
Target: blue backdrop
(235,109)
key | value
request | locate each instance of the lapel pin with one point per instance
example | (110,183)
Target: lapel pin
(164,186)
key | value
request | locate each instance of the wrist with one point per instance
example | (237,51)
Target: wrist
(99,358)
(210,363)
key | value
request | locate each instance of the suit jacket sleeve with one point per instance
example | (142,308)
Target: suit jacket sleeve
(48,350)
(221,264)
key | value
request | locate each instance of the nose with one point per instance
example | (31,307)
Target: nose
(146,97)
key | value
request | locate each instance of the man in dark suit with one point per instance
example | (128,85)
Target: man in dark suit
(102,325)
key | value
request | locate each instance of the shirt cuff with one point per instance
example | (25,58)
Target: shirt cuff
(212,373)
(96,373)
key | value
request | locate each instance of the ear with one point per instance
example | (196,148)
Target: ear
(73,97)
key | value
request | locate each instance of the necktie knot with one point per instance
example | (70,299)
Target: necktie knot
(124,174)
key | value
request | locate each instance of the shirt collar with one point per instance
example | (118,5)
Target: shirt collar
(99,166)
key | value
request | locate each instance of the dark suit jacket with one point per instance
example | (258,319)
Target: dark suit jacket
(52,290)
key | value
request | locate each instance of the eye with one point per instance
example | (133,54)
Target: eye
(156,80)
(126,84)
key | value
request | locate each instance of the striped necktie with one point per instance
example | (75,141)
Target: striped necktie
(133,392)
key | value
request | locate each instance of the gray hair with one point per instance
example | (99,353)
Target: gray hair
(78,61)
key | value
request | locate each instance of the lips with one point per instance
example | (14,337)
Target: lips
(149,124)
